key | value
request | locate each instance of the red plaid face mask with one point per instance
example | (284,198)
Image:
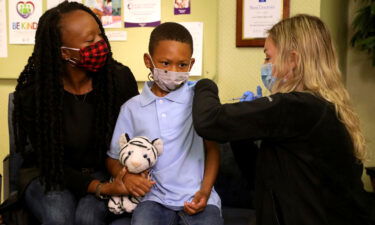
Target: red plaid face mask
(93,57)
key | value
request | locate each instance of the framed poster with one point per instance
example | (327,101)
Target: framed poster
(23,20)
(142,13)
(255,18)
(108,11)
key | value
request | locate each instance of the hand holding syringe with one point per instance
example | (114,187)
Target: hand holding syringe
(249,95)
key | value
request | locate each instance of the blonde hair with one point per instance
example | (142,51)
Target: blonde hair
(316,70)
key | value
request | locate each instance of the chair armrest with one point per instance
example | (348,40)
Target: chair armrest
(6,176)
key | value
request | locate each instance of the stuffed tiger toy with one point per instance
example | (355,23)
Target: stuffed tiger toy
(137,155)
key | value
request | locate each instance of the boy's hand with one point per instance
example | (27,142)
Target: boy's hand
(137,184)
(198,203)
(117,184)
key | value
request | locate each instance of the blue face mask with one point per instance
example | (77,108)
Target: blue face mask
(266,75)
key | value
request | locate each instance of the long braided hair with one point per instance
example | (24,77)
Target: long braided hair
(44,71)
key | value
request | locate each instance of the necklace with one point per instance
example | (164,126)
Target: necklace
(78,99)
(85,86)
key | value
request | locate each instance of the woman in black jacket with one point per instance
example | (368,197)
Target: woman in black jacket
(309,163)
(66,104)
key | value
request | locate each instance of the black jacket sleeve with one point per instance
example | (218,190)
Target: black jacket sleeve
(271,117)
(230,122)
(75,181)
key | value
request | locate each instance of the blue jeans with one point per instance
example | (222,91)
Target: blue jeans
(153,213)
(62,207)
(121,221)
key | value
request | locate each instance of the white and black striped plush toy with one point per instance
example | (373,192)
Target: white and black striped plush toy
(137,155)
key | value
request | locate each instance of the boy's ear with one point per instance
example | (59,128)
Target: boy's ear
(147,60)
(192,63)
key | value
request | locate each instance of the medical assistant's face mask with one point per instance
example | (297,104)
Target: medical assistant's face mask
(169,80)
(266,75)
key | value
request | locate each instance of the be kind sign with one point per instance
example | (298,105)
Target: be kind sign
(23,20)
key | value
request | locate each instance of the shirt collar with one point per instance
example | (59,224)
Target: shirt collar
(180,95)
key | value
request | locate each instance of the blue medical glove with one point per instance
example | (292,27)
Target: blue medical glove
(249,96)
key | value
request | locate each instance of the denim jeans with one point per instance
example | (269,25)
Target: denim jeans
(122,221)
(153,213)
(62,207)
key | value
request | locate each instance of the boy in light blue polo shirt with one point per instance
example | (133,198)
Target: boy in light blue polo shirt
(184,174)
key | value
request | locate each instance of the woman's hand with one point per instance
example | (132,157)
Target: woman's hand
(137,184)
(198,203)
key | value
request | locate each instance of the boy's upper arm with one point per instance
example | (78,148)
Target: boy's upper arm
(211,144)
(123,125)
